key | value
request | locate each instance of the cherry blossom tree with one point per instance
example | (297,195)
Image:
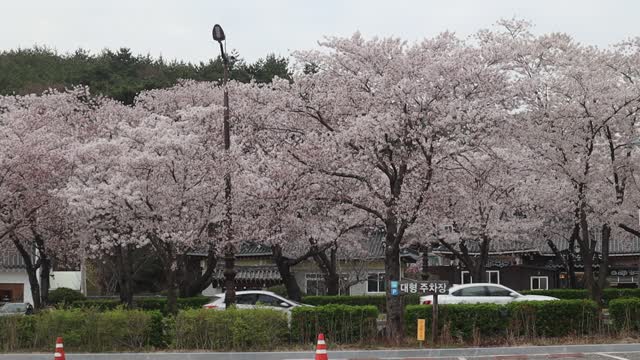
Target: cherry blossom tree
(578,108)
(159,180)
(35,137)
(375,119)
(483,199)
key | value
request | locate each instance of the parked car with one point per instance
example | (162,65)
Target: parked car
(482,293)
(16,309)
(251,299)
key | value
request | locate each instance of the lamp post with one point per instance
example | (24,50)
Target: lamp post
(229,253)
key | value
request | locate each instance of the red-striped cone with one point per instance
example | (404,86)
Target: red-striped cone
(59,354)
(321,349)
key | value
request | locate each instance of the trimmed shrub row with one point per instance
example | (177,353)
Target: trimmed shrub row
(64,296)
(83,330)
(255,329)
(343,324)
(466,321)
(566,294)
(158,304)
(625,314)
(379,301)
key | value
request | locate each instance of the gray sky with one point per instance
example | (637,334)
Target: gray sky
(182,29)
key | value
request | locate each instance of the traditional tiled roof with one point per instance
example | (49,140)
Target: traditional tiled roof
(11,261)
(617,247)
(251,273)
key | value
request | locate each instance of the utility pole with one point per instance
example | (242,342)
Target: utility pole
(229,250)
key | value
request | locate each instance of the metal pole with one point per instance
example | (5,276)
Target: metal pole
(434,320)
(229,251)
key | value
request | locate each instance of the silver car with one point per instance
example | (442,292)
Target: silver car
(9,309)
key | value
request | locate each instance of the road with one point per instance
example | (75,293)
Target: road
(568,352)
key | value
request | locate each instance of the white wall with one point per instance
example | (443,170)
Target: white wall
(18,277)
(67,279)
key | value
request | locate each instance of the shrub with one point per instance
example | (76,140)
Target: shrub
(64,296)
(552,318)
(279,290)
(625,313)
(342,324)
(196,302)
(16,333)
(562,294)
(567,294)
(360,300)
(614,293)
(251,329)
(149,303)
(460,320)
(98,304)
(82,330)
(531,318)
(379,301)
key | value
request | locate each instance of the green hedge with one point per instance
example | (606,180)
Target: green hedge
(64,295)
(552,318)
(341,324)
(251,329)
(82,330)
(460,321)
(152,304)
(534,318)
(98,304)
(625,313)
(575,294)
(379,301)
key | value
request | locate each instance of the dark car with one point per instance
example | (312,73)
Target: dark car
(16,309)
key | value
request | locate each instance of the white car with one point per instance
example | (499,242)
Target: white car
(252,299)
(482,293)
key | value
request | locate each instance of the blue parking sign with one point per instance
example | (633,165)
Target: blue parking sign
(395,291)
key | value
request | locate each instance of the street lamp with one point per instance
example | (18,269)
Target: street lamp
(229,254)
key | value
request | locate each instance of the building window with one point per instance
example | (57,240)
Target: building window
(493,276)
(434,260)
(539,283)
(375,283)
(465,277)
(315,284)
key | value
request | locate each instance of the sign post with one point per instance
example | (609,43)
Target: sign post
(421,331)
(434,319)
(424,288)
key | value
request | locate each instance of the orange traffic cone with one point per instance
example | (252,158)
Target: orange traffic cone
(321,349)
(59,354)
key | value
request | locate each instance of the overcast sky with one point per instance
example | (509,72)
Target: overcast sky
(182,29)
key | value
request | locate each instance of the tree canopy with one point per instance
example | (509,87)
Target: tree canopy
(120,74)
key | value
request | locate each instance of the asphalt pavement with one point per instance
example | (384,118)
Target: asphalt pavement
(563,352)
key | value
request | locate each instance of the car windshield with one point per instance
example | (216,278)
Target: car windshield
(11,308)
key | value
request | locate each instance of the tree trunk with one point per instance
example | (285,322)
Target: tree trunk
(424,271)
(329,267)
(229,277)
(571,264)
(172,281)
(392,270)
(192,279)
(603,270)
(288,279)
(125,275)
(587,250)
(45,276)
(32,270)
(44,266)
